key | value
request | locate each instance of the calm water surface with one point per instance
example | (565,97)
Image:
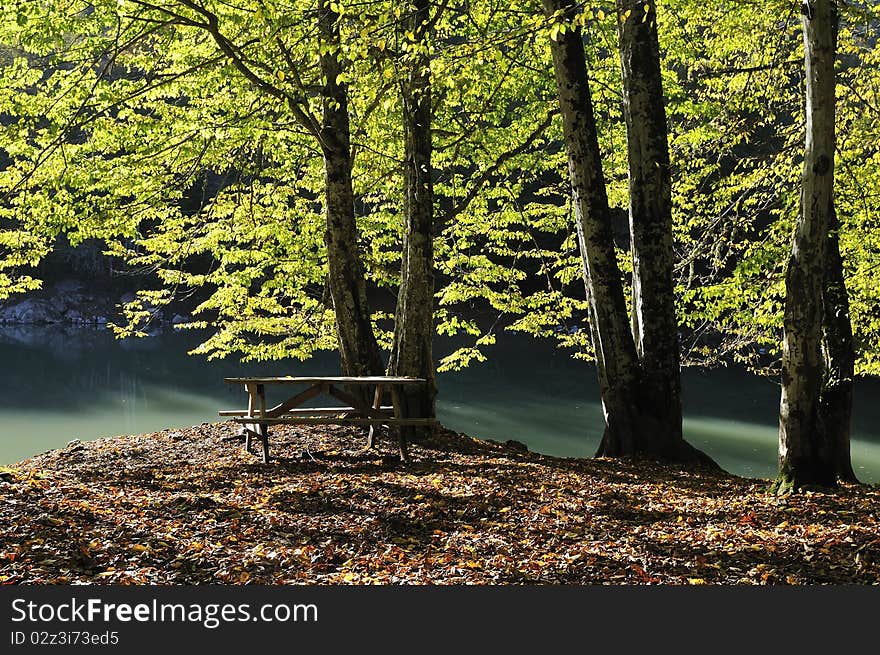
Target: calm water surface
(57,385)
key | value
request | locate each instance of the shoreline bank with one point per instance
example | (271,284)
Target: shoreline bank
(189,506)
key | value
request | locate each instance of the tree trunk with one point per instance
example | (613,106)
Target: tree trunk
(358,349)
(411,351)
(616,360)
(805,453)
(654,324)
(835,400)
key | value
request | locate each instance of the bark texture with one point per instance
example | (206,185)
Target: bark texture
(806,455)
(639,420)
(835,399)
(654,323)
(358,349)
(616,359)
(411,352)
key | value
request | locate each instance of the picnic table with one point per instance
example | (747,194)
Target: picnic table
(257,418)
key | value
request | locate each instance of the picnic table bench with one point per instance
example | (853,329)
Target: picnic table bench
(257,418)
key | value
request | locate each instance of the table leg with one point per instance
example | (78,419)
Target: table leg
(377,403)
(401,430)
(264,429)
(264,437)
(252,393)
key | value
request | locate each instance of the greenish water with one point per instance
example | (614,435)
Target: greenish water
(59,385)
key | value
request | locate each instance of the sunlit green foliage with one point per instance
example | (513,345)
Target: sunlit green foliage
(129,122)
(736,103)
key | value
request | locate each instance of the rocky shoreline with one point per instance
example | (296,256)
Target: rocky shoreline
(73,302)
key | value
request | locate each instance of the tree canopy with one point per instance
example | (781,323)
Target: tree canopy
(182,133)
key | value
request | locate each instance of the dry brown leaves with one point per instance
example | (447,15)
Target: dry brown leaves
(189,507)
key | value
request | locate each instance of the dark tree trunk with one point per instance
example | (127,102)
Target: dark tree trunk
(806,456)
(629,430)
(616,360)
(654,324)
(835,400)
(358,349)
(411,352)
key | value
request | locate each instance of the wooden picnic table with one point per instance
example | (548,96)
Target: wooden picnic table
(257,418)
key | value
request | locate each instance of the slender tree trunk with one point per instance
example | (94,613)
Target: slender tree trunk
(806,456)
(411,352)
(835,400)
(616,360)
(358,349)
(655,327)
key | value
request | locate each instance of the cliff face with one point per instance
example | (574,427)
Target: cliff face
(76,302)
(65,301)
(81,286)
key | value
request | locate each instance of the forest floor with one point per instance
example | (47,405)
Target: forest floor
(189,506)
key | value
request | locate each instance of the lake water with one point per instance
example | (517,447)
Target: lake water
(60,384)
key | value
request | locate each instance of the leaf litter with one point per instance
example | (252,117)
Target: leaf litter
(190,506)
